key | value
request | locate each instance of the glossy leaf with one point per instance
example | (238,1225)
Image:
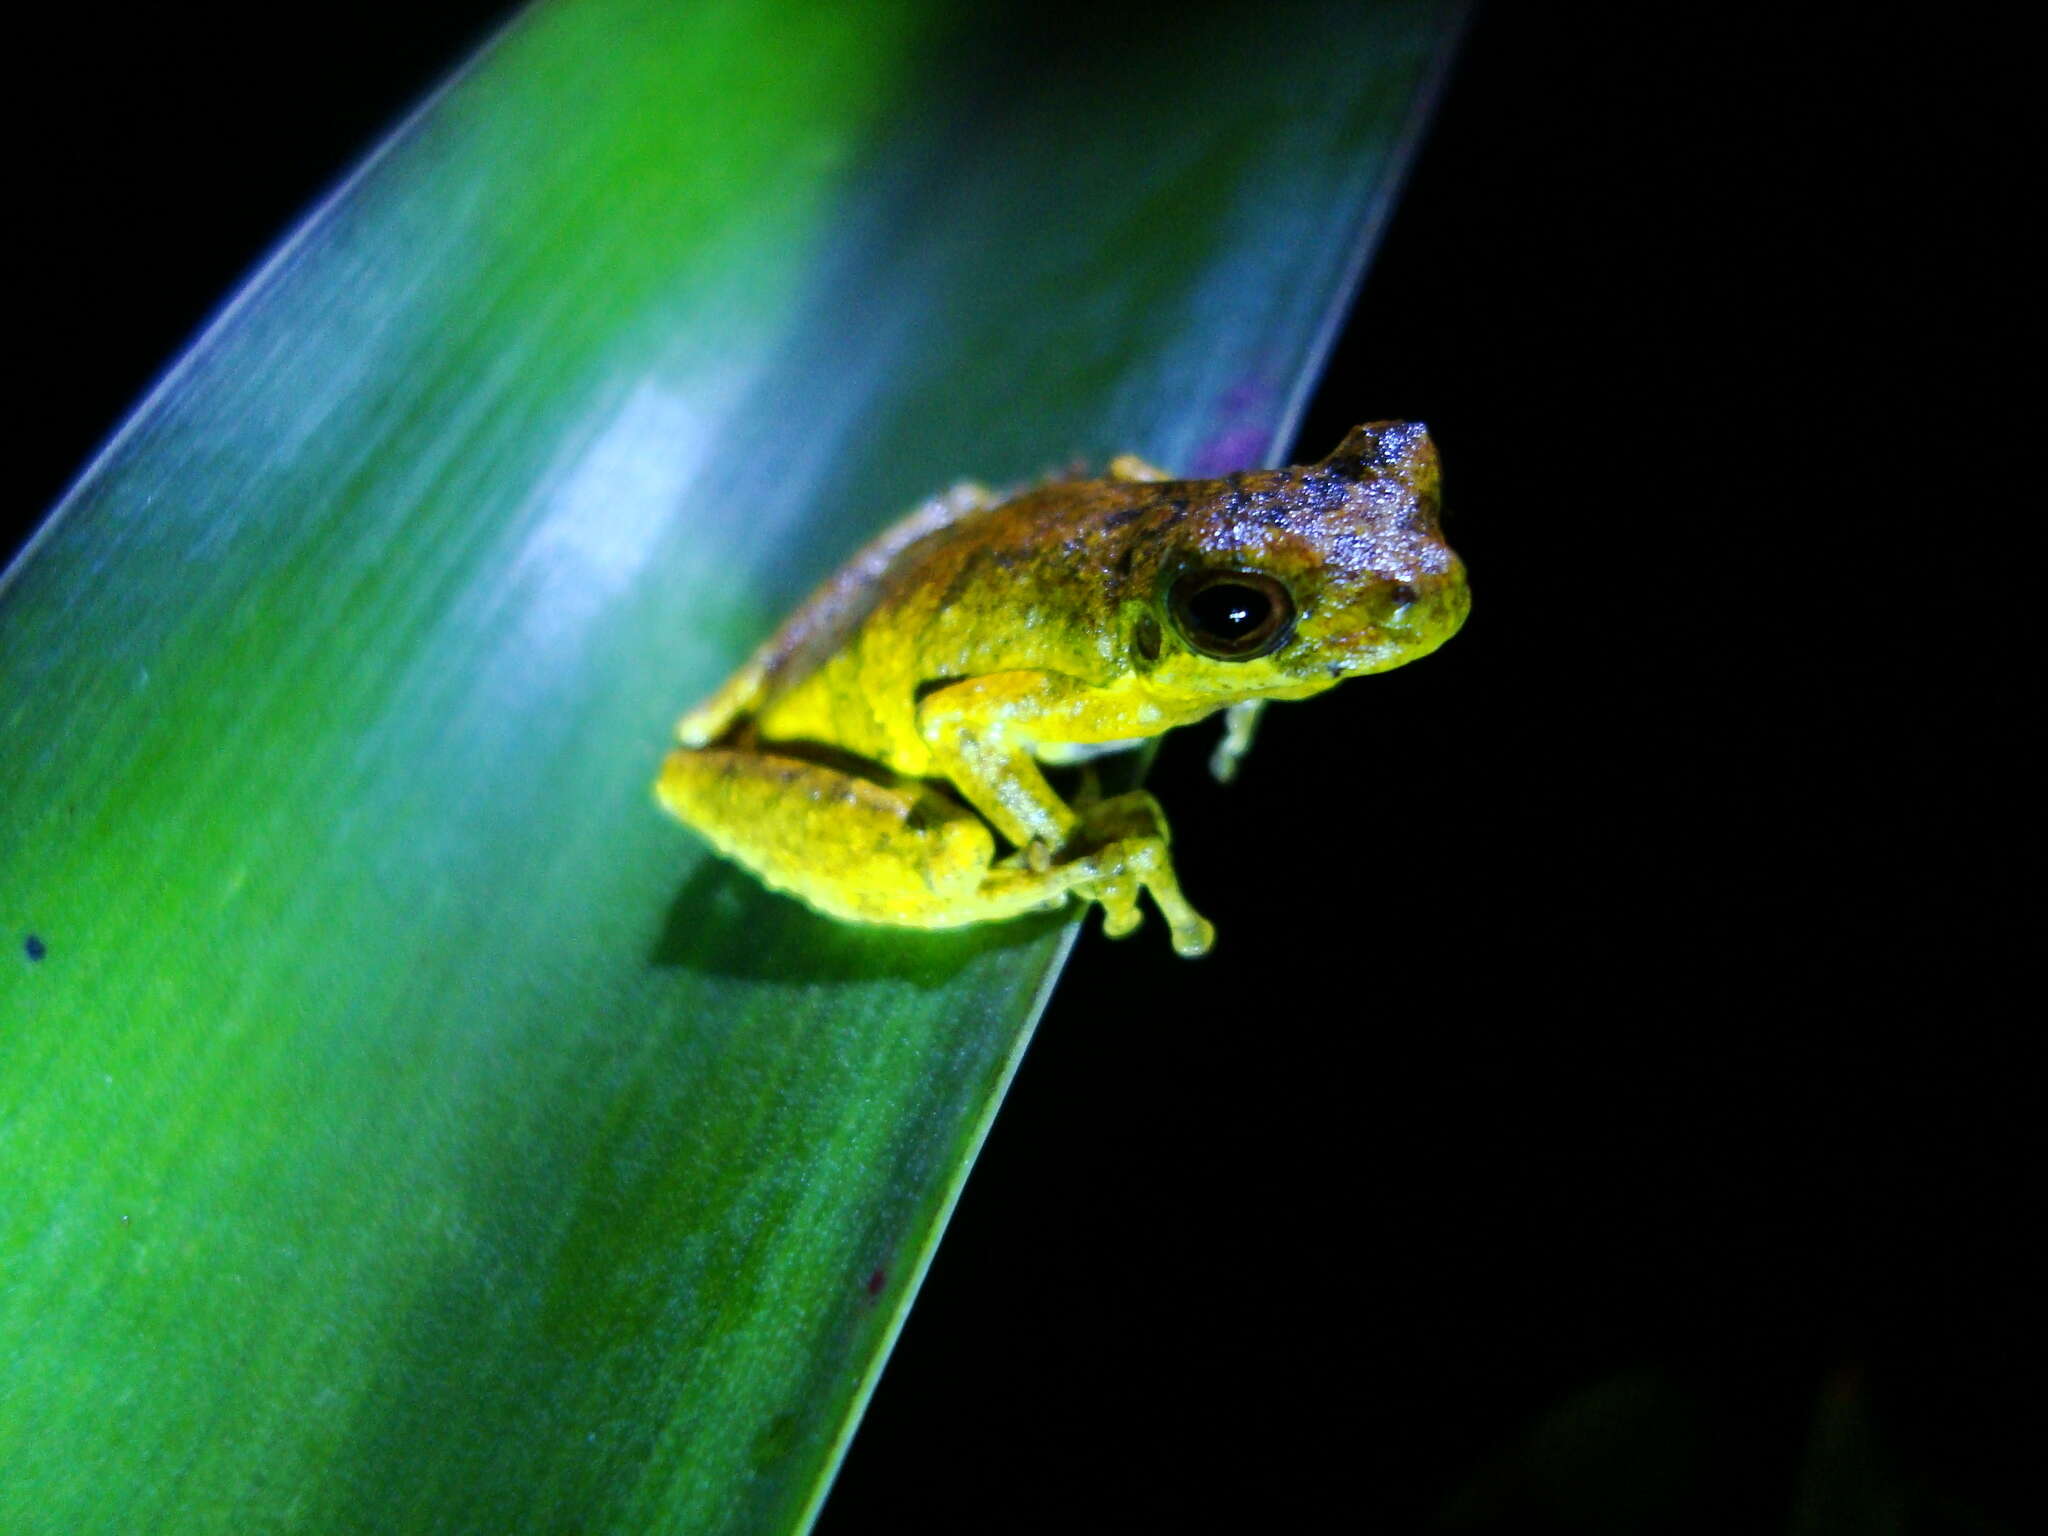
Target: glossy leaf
(402,1125)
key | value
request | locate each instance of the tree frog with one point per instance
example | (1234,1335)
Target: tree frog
(880,756)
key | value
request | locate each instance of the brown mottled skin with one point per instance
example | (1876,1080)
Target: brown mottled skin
(980,636)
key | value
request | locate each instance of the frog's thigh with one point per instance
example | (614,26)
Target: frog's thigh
(849,846)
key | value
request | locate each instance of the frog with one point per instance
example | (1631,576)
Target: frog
(882,756)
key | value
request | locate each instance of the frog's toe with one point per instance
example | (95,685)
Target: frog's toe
(1193,934)
(1122,918)
(1117,894)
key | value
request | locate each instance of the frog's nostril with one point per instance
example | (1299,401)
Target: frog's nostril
(1402,595)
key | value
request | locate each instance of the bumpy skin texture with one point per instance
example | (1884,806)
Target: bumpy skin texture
(868,757)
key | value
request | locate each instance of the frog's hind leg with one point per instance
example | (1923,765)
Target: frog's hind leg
(903,853)
(853,847)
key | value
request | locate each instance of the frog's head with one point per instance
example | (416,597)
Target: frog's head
(1283,583)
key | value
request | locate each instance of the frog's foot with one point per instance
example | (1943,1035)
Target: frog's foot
(1125,842)
(1121,870)
(1128,466)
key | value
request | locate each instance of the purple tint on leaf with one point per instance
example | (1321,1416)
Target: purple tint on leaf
(1244,433)
(1233,449)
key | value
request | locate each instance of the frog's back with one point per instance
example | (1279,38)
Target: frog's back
(833,611)
(943,593)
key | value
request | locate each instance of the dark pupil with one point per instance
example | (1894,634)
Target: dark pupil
(1228,611)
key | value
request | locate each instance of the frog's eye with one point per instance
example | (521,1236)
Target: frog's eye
(1232,615)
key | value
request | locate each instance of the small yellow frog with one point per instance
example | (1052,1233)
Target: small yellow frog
(870,755)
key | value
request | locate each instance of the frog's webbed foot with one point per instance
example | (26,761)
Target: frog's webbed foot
(1122,846)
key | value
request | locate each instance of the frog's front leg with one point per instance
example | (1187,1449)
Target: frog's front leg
(1240,721)
(981,733)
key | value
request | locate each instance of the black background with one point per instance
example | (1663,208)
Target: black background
(1603,1109)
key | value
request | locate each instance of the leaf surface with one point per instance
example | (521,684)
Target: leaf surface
(402,1125)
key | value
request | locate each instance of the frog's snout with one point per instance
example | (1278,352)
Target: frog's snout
(1428,609)
(1405,619)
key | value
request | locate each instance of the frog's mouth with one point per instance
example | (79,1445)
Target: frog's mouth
(1379,651)
(1419,627)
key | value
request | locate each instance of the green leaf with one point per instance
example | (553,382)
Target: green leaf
(402,1125)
